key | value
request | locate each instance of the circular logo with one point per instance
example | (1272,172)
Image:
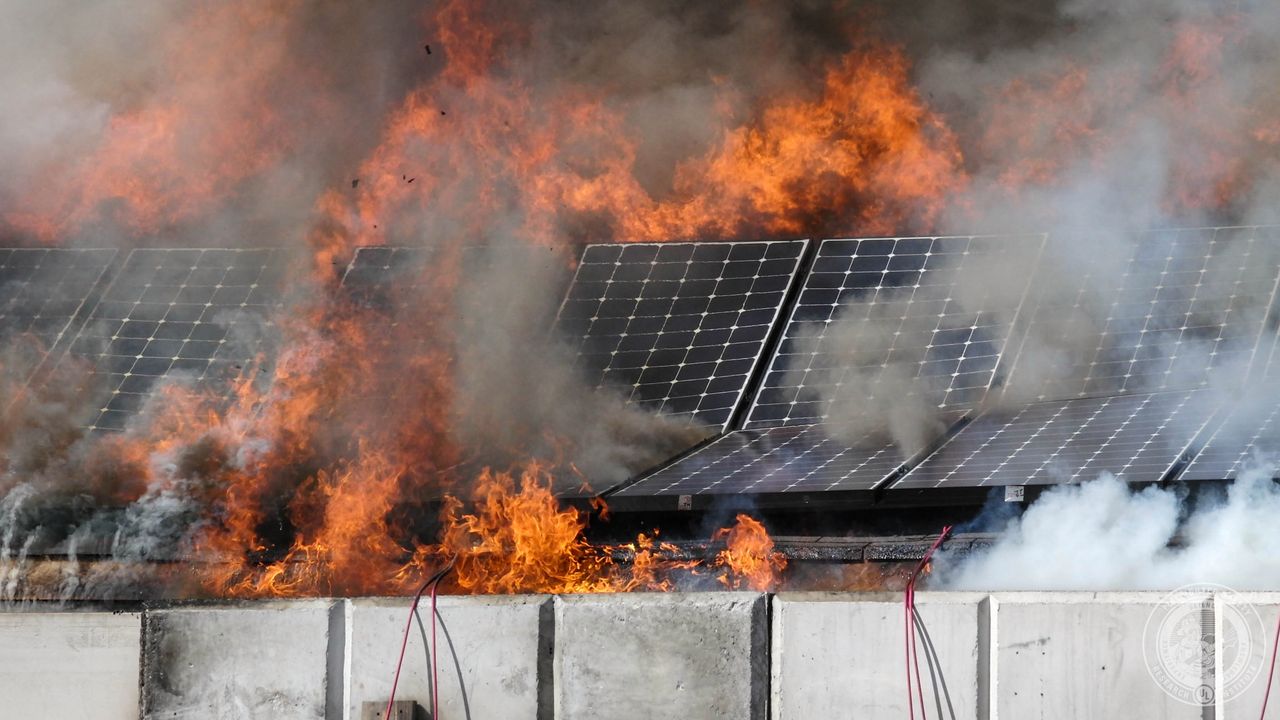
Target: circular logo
(1182,639)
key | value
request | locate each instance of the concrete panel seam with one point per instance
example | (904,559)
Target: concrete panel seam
(545,667)
(988,657)
(336,665)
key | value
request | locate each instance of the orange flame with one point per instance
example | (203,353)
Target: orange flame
(749,556)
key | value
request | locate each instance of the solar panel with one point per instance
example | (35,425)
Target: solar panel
(679,327)
(777,460)
(42,290)
(1182,304)
(1137,437)
(881,320)
(198,313)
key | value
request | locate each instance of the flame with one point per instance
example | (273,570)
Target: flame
(208,130)
(749,556)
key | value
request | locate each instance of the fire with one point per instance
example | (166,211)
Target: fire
(518,539)
(206,132)
(749,556)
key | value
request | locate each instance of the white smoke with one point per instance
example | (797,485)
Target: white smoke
(1106,535)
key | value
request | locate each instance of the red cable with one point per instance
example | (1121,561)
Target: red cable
(433,582)
(1272,672)
(913,656)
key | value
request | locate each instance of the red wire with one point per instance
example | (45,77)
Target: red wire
(1272,672)
(913,656)
(433,583)
(404,643)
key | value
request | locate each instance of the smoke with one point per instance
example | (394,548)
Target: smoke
(1105,535)
(521,393)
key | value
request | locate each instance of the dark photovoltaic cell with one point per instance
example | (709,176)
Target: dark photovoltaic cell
(43,289)
(679,327)
(1252,430)
(1186,302)
(898,294)
(776,460)
(199,313)
(1137,437)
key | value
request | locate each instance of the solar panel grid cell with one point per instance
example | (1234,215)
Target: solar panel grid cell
(678,326)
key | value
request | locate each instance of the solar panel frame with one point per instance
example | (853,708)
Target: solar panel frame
(44,292)
(1141,437)
(177,311)
(876,267)
(685,325)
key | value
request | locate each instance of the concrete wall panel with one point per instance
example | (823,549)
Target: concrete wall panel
(77,666)
(1077,655)
(264,661)
(655,657)
(495,655)
(843,655)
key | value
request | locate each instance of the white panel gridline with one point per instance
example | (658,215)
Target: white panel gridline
(1137,437)
(1187,301)
(949,347)
(678,327)
(201,313)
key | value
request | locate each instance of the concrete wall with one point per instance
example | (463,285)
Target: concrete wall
(713,655)
(841,655)
(78,666)
(495,659)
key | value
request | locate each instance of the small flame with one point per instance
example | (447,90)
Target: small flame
(748,556)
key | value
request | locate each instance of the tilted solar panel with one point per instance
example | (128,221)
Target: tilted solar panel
(893,317)
(678,327)
(788,459)
(199,313)
(1179,306)
(1137,437)
(43,290)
